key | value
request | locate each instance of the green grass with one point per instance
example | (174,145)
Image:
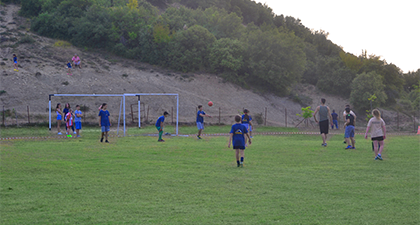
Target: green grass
(38,131)
(136,180)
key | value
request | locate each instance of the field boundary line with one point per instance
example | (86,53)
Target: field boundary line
(192,135)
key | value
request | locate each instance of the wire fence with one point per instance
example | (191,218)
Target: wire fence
(23,116)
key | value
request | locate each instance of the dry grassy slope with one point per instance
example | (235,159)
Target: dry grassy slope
(103,73)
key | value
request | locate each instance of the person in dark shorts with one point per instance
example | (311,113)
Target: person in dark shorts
(237,138)
(324,123)
(377,133)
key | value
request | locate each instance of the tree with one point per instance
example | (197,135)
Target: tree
(190,49)
(363,87)
(226,58)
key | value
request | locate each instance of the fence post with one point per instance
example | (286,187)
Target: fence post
(265,121)
(285,120)
(29,120)
(16,118)
(132,114)
(219,115)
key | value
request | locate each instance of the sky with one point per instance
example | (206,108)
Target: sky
(389,29)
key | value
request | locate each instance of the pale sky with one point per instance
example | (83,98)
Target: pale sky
(389,29)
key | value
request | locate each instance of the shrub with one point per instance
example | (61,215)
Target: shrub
(27,39)
(63,44)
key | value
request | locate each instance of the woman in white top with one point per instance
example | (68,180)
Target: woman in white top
(378,132)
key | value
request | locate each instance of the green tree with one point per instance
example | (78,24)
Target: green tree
(274,60)
(226,58)
(363,87)
(190,49)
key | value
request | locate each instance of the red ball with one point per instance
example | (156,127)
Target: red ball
(210,103)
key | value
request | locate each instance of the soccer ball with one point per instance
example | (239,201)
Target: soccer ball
(210,103)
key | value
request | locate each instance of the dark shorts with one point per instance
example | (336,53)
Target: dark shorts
(323,126)
(381,138)
(239,147)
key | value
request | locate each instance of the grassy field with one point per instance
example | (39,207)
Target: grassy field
(136,180)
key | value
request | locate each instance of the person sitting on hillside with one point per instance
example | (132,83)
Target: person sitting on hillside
(76,61)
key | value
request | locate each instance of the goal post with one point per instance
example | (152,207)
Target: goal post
(152,94)
(122,105)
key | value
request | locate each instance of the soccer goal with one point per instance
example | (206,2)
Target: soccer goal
(122,108)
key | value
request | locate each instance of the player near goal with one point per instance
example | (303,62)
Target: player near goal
(104,122)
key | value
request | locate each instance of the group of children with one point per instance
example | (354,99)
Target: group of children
(76,62)
(71,118)
(376,124)
(75,119)
(239,133)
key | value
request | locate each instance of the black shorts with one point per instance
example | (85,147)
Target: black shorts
(381,138)
(241,147)
(323,126)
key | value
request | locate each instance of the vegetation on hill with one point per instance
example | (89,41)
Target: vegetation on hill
(240,40)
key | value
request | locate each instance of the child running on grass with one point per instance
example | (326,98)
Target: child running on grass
(78,120)
(69,68)
(159,125)
(237,138)
(200,120)
(104,122)
(15,63)
(247,121)
(349,132)
(59,118)
(69,122)
(378,133)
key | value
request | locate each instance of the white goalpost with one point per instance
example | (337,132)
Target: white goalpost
(122,105)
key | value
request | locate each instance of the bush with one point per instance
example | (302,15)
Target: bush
(27,39)
(364,86)
(63,44)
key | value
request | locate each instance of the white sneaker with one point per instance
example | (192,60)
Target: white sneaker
(59,133)
(74,132)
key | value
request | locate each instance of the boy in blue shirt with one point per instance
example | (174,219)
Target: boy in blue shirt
(104,122)
(15,63)
(159,125)
(78,119)
(335,120)
(237,138)
(200,120)
(247,121)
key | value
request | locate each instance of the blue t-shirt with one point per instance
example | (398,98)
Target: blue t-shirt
(15,59)
(334,116)
(200,118)
(161,119)
(104,117)
(238,131)
(245,120)
(69,65)
(76,118)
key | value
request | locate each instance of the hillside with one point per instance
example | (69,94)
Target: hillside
(42,72)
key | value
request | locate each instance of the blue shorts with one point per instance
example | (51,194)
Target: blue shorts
(15,62)
(69,67)
(158,128)
(241,147)
(59,117)
(78,125)
(105,128)
(349,131)
(200,126)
